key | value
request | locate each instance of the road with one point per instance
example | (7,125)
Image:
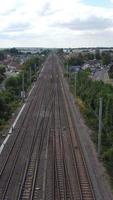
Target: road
(43,158)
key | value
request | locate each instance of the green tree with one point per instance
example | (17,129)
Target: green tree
(4,109)
(76,60)
(13,51)
(106,58)
(2,55)
(12,84)
(2,73)
(89,56)
(97,54)
(110,72)
(2,69)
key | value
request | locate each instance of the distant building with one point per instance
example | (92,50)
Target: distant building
(74,68)
(86,66)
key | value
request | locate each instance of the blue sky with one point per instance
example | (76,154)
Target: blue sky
(100,3)
(56,23)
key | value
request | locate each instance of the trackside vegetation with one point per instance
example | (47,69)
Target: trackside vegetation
(89,92)
(10,98)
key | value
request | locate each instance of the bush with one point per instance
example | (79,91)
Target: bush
(89,92)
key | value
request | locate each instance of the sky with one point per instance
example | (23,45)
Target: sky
(56,23)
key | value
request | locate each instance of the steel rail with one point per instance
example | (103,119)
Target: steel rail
(16,157)
(15,161)
(16,138)
(38,150)
(85,183)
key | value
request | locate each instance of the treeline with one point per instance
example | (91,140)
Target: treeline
(104,58)
(89,92)
(10,98)
(2,73)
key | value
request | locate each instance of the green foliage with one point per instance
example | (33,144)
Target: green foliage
(2,55)
(32,62)
(90,91)
(60,52)
(13,51)
(10,97)
(108,156)
(76,60)
(66,74)
(2,69)
(110,72)
(108,161)
(4,109)
(2,73)
(89,56)
(106,58)
(88,71)
(7,96)
(12,84)
(97,54)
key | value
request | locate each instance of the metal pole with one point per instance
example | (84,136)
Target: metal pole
(27,77)
(75,85)
(68,71)
(67,67)
(23,81)
(35,69)
(23,87)
(30,75)
(100,127)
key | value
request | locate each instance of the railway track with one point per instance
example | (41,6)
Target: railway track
(28,184)
(16,151)
(85,185)
(8,168)
(48,162)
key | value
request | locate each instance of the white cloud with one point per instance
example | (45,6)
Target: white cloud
(38,20)
(92,23)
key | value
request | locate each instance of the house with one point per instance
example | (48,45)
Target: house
(75,68)
(86,66)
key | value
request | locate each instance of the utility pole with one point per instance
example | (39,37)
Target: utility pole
(23,88)
(35,68)
(75,85)
(30,75)
(35,71)
(23,81)
(100,127)
(68,71)
(67,67)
